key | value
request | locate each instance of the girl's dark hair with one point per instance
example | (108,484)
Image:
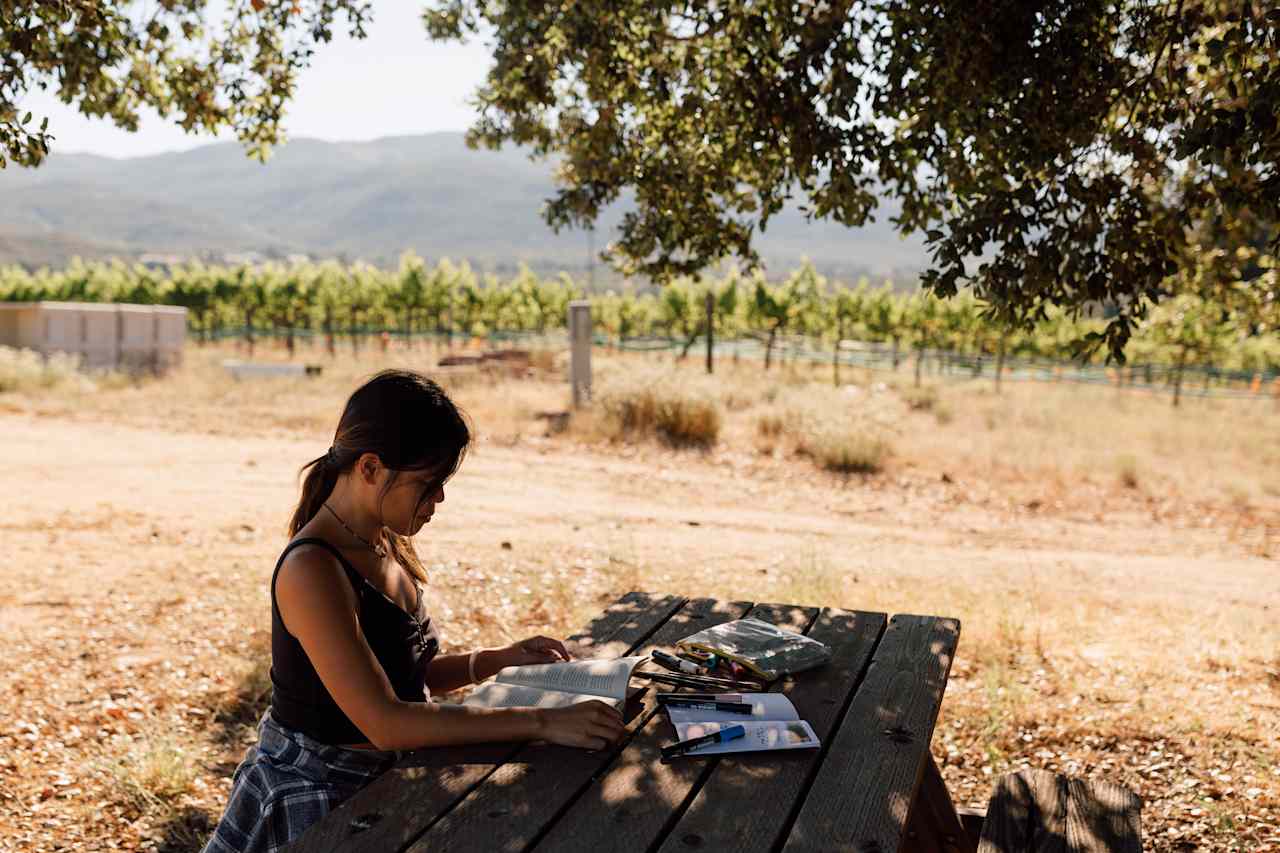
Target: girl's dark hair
(409,422)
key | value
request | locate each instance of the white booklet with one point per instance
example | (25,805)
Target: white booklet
(556,685)
(772,724)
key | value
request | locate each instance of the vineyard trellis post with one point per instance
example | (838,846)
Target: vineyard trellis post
(835,352)
(1002,348)
(580,351)
(711,317)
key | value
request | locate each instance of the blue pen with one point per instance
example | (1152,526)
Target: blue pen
(684,746)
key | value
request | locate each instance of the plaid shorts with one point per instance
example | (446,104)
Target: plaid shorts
(287,782)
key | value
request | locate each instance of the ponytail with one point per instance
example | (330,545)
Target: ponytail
(316,488)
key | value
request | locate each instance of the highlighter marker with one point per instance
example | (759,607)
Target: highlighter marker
(684,746)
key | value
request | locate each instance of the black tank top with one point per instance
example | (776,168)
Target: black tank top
(403,643)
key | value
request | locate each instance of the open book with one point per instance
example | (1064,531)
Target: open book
(555,685)
(772,724)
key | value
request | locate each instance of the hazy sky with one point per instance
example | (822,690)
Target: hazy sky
(393,82)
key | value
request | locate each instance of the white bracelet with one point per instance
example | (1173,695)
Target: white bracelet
(471,666)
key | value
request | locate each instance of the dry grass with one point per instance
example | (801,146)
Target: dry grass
(28,370)
(920,397)
(1065,433)
(1112,562)
(153,772)
(845,450)
(657,405)
(1127,470)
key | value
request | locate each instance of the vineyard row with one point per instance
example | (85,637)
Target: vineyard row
(417,299)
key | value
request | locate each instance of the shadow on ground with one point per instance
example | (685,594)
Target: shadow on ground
(185,830)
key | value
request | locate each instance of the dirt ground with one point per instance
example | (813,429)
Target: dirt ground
(138,546)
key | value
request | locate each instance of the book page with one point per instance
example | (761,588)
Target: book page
(495,695)
(596,678)
(764,706)
(796,734)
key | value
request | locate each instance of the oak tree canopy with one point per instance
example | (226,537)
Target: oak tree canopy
(1061,152)
(205,65)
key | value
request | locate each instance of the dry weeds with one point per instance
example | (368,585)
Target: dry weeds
(1114,626)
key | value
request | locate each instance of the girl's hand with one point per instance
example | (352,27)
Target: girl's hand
(534,650)
(590,725)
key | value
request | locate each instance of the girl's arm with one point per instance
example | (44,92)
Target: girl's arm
(447,673)
(319,608)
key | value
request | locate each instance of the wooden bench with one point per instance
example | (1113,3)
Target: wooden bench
(1036,811)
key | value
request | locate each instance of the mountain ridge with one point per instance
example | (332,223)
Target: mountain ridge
(371,200)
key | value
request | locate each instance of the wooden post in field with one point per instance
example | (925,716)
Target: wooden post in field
(1004,337)
(711,322)
(580,350)
(835,353)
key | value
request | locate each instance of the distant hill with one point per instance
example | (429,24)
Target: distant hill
(369,200)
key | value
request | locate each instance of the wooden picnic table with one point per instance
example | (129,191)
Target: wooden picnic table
(872,787)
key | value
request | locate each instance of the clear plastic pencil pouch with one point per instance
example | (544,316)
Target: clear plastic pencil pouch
(766,650)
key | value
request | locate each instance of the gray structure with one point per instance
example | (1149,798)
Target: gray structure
(105,336)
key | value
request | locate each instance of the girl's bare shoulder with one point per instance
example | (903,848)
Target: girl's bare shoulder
(310,571)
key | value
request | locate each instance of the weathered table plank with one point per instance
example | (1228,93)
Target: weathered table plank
(861,795)
(747,803)
(514,806)
(634,802)
(399,806)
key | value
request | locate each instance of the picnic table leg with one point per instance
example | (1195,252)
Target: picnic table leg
(933,826)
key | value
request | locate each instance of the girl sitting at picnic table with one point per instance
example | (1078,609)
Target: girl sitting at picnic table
(353,651)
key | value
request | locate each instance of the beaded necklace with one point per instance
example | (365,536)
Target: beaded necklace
(377,549)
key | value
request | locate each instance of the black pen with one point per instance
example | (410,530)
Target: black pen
(685,746)
(705,697)
(703,705)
